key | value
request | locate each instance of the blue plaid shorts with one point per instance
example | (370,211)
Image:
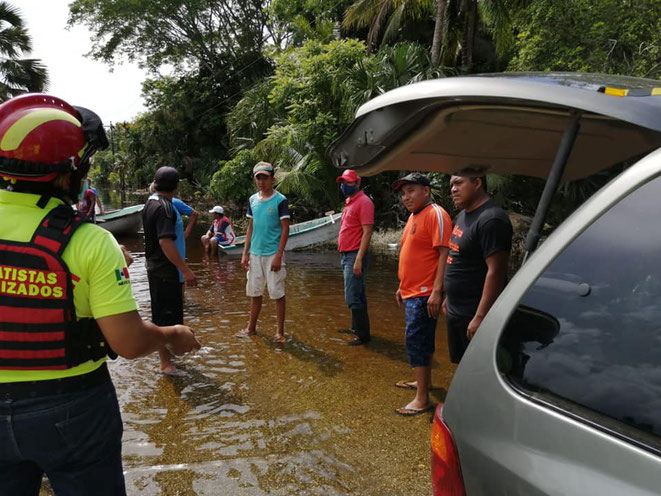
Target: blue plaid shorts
(420,332)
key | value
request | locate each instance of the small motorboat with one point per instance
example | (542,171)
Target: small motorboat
(124,221)
(302,235)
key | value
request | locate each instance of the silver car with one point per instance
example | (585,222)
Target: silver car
(560,390)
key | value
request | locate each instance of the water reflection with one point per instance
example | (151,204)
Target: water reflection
(250,417)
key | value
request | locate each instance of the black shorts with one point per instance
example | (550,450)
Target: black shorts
(457,340)
(167,301)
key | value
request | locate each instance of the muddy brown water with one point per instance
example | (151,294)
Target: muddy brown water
(249,417)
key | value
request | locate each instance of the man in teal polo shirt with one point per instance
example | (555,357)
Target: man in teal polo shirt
(263,254)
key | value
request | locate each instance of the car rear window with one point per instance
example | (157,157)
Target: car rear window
(587,335)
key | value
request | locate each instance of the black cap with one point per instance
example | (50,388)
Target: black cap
(412,178)
(166,179)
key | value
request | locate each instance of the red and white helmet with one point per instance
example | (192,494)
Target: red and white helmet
(42,135)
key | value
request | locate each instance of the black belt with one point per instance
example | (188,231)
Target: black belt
(35,389)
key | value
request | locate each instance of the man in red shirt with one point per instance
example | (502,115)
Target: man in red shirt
(352,243)
(424,250)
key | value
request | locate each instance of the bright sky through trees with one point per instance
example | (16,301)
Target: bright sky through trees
(115,95)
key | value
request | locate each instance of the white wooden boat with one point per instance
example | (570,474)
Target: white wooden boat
(301,235)
(126,220)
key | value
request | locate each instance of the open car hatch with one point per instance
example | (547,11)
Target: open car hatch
(505,124)
(558,126)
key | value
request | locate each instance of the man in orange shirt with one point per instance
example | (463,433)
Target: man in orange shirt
(424,250)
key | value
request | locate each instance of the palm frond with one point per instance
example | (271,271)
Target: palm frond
(10,14)
(251,117)
(377,22)
(394,23)
(14,40)
(361,13)
(495,17)
(17,75)
(24,75)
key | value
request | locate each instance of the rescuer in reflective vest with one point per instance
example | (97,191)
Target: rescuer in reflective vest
(65,305)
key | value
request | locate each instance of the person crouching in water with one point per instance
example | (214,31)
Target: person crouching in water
(220,231)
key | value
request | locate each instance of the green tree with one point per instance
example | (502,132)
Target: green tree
(608,36)
(457,24)
(205,33)
(388,16)
(310,88)
(291,118)
(250,119)
(303,20)
(392,67)
(215,48)
(232,182)
(17,74)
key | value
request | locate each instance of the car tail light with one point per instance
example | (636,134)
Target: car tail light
(445,469)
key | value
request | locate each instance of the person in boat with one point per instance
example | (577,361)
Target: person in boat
(477,263)
(64,280)
(353,243)
(422,257)
(163,259)
(220,231)
(97,198)
(87,203)
(263,253)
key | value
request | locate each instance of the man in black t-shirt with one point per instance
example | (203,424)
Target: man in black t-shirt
(163,258)
(476,268)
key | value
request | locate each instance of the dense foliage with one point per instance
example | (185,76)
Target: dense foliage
(278,80)
(606,36)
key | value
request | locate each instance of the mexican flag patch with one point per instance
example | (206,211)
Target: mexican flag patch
(122,274)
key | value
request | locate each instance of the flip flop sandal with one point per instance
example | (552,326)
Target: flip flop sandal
(406,385)
(412,412)
(172,372)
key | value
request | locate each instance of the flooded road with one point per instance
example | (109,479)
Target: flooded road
(249,417)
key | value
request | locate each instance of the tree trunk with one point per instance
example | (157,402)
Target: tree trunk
(438,32)
(468,39)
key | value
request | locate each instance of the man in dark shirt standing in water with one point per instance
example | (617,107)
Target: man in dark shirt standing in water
(163,259)
(476,269)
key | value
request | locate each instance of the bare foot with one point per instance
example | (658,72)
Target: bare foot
(411,412)
(279,338)
(171,370)
(245,333)
(416,405)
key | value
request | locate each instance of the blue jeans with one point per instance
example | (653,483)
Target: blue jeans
(74,438)
(420,332)
(354,287)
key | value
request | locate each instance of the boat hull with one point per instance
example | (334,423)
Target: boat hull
(302,235)
(126,221)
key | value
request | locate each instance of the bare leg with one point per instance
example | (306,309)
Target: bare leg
(213,245)
(280,317)
(205,242)
(255,308)
(423,380)
(167,365)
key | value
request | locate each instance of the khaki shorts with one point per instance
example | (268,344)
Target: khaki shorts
(260,276)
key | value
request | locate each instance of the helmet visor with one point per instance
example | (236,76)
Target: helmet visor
(95,135)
